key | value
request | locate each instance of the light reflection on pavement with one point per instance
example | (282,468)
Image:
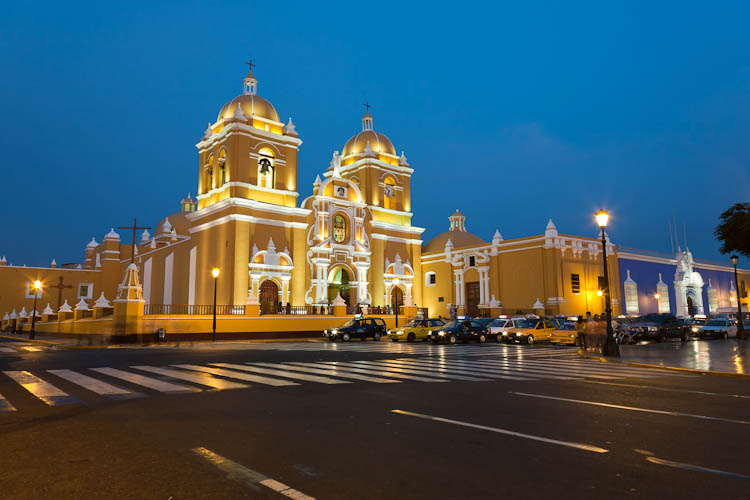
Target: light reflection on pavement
(724,355)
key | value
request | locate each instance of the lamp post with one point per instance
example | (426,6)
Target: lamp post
(37,287)
(395,299)
(215,273)
(610,348)
(740,323)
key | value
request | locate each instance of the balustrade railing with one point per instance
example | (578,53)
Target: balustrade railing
(194,310)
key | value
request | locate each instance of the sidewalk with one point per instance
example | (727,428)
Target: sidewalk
(83,343)
(717,356)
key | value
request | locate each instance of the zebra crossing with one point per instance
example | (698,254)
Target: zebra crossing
(61,387)
(8,348)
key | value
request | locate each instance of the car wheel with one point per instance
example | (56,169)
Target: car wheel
(482,338)
(452,339)
(726,336)
(701,336)
(530,340)
(499,338)
(345,337)
(411,337)
(375,337)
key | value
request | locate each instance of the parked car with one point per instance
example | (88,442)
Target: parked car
(461,329)
(565,334)
(658,327)
(499,327)
(692,325)
(361,328)
(416,329)
(718,328)
(530,331)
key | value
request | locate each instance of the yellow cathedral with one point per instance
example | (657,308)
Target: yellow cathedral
(351,242)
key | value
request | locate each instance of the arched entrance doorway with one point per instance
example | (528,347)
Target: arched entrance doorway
(339,284)
(397,297)
(472,298)
(690,306)
(269,297)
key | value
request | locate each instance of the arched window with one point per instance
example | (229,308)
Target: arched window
(221,175)
(209,169)
(631,296)
(266,169)
(389,193)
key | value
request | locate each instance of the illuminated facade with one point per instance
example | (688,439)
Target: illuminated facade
(353,238)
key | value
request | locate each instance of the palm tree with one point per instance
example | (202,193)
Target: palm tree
(734,230)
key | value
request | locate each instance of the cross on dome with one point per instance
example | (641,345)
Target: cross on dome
(250,83)
(367,119)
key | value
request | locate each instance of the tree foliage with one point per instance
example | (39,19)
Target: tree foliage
(733,231)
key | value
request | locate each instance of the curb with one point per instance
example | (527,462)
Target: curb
(598,358)
(691,370)
(184,343)
(21,339)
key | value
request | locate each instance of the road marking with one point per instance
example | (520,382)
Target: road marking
(580,446)
(5,405)
(689,391)
(353,368)
(390,365)
(533,365)
(31,348)
(151,383)
(45,391)
(7,349)
(332,371)
(633,408)
(94,385)
(449,368)
(495,367)
(238,375)
(248,477)
(194,377)
(282,372)
(698,468)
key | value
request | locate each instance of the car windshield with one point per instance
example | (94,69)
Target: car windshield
(716,322)
(527,323)
(452,324)
(412,323)
(348,323)
(567,326)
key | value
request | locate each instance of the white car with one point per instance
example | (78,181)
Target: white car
(499,327)
(718,328)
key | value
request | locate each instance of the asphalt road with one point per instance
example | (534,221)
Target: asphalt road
(363,420)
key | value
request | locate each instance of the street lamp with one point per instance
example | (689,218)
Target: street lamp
(215,273)
(740,323)
(610,348)
(37,287)
(395,299)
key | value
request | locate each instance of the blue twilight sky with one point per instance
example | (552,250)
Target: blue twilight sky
(513,112)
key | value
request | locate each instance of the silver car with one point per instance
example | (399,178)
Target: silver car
(499,327)
(718,328)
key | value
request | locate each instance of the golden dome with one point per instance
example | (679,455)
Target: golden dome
(378,142)
(252,105)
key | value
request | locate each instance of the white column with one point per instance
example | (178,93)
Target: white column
(285,289)
(361,284)
(322,283)
(191,276)
(168,270)
(147,281)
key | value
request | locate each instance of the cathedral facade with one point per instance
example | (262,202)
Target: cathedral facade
(352,238)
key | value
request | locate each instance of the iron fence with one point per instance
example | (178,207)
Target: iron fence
(194,310)
(266,309)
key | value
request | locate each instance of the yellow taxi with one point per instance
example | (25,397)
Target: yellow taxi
(566,334)
(416,329)
(531,330)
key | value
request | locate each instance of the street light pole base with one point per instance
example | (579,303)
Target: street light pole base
(612,349)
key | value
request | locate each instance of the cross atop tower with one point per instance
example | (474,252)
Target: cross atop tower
(250,64)
(250,83)
(367,119)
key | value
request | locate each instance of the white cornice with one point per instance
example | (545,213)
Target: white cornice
(396,227)
(247,218)
(371,163)
(247,203)
(250,131)
(390,211)
(248,186)
(395,239)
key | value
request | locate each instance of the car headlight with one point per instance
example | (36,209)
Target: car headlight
(505,334)
(441,333)
(652,329)
(695,329)
(571,336)
(518,334)
(335,330)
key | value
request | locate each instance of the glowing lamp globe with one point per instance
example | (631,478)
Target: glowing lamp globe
(215,272)
(602,217)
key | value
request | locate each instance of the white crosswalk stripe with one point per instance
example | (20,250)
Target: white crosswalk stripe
(385,365)
(332,371)
(238,375)
(532,366)
(447,367)
(7,349)
(507,370)
(200,378)
(151,383)
(43,390)
(5,405)
(341,365)
(281,371)
(94,385)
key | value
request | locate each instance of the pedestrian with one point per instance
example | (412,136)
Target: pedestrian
(588,316)
(581,331)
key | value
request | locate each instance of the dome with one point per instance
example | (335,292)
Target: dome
(460,239)
(252,105)
(378,142)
